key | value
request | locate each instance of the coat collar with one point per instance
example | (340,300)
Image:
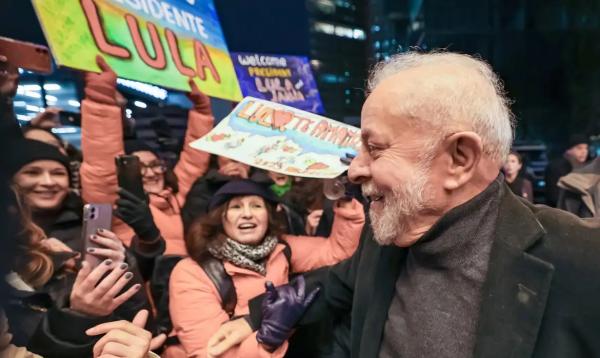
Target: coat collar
(516,287)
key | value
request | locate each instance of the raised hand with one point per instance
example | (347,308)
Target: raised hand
(282,309)
(101,87)
(200,101)
(136,213)
(96,290)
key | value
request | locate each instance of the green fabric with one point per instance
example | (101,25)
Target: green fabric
(280,190)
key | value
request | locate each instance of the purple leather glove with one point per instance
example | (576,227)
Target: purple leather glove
(282,308)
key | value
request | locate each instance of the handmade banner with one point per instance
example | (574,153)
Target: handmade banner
(163,42)
(283,79)
(283,139)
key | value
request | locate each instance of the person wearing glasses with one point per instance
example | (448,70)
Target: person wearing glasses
(142,223)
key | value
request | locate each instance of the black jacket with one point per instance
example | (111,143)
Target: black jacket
(65,225)
(42,321)
(540,298)
(555,170)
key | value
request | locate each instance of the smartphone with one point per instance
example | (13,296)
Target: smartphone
(95,216)
(129,175)
(26,55)
(69,118)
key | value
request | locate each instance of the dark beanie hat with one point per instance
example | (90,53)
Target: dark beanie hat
(576,139)
(240,187)
(136,145)
(30,150)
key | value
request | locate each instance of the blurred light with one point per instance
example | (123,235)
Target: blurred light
(128,112)
(52,87)
(140,104)
(34,108)
(339,30)
(32,94)
(64,130)
(51,98)
(19,103)
(74,103)
(23,117)
(145,88)
(21,70)
(315,63)
(31,87)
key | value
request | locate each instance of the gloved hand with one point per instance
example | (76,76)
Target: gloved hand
(101,87)
(136,213)
(200,101)
(282,308)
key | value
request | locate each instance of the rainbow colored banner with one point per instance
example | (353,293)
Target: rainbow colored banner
(163,42)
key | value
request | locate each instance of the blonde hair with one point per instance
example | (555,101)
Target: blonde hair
(475,101)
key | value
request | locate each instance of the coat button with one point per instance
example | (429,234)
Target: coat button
(523,297)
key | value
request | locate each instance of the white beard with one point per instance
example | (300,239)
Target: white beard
(400,206)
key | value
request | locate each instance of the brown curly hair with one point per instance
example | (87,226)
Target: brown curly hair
(32,259)
(209,228)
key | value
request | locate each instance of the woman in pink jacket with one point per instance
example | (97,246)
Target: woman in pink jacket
(102,141)
(241,233)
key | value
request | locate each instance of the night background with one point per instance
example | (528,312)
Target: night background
(546,52)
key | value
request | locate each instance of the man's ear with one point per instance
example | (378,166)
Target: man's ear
(464,150)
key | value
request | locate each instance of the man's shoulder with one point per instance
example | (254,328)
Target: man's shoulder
(567,238)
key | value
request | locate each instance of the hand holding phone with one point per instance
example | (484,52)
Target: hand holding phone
(129,175)
(95,217)
(26,55)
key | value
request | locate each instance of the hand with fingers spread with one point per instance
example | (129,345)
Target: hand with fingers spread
(230,334)
(123,339)
(136,213)
(282,308)
(96,291)
(200,101)
(110,246)
(101,87)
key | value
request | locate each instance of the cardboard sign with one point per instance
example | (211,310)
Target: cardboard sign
(282,139)
(163,42)
(283,79)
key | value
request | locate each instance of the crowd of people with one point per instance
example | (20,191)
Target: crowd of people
(219,259)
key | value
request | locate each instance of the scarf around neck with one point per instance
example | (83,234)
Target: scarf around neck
(252,257)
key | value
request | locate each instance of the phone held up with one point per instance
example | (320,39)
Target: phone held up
(95,216)
(129,175)
(26,55)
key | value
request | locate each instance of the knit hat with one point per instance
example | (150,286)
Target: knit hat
(239,188)
(576,139)
(30,150)
(136,145)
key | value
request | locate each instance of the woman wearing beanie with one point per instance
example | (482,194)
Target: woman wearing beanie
(141,222)
(241,235)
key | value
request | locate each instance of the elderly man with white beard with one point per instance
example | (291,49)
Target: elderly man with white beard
(459,266)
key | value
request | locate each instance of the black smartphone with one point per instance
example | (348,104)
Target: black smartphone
(69,118)
(26,55)
(95,216)
(129,175)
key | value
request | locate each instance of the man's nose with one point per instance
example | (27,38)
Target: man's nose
(359,171)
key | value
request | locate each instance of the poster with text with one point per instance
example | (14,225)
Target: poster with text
(283,79)
(282,139)
(163,42)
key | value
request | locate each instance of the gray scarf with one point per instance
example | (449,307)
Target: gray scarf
(251,257)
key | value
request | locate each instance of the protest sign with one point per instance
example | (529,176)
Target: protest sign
(283,139)
(283,79)
(163,42)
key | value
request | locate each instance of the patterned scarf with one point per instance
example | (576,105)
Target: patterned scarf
(251,257)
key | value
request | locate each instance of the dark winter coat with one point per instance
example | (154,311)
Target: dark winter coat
(65,225)
(540,297)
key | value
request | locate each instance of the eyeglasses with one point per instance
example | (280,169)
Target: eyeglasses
(158,167)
